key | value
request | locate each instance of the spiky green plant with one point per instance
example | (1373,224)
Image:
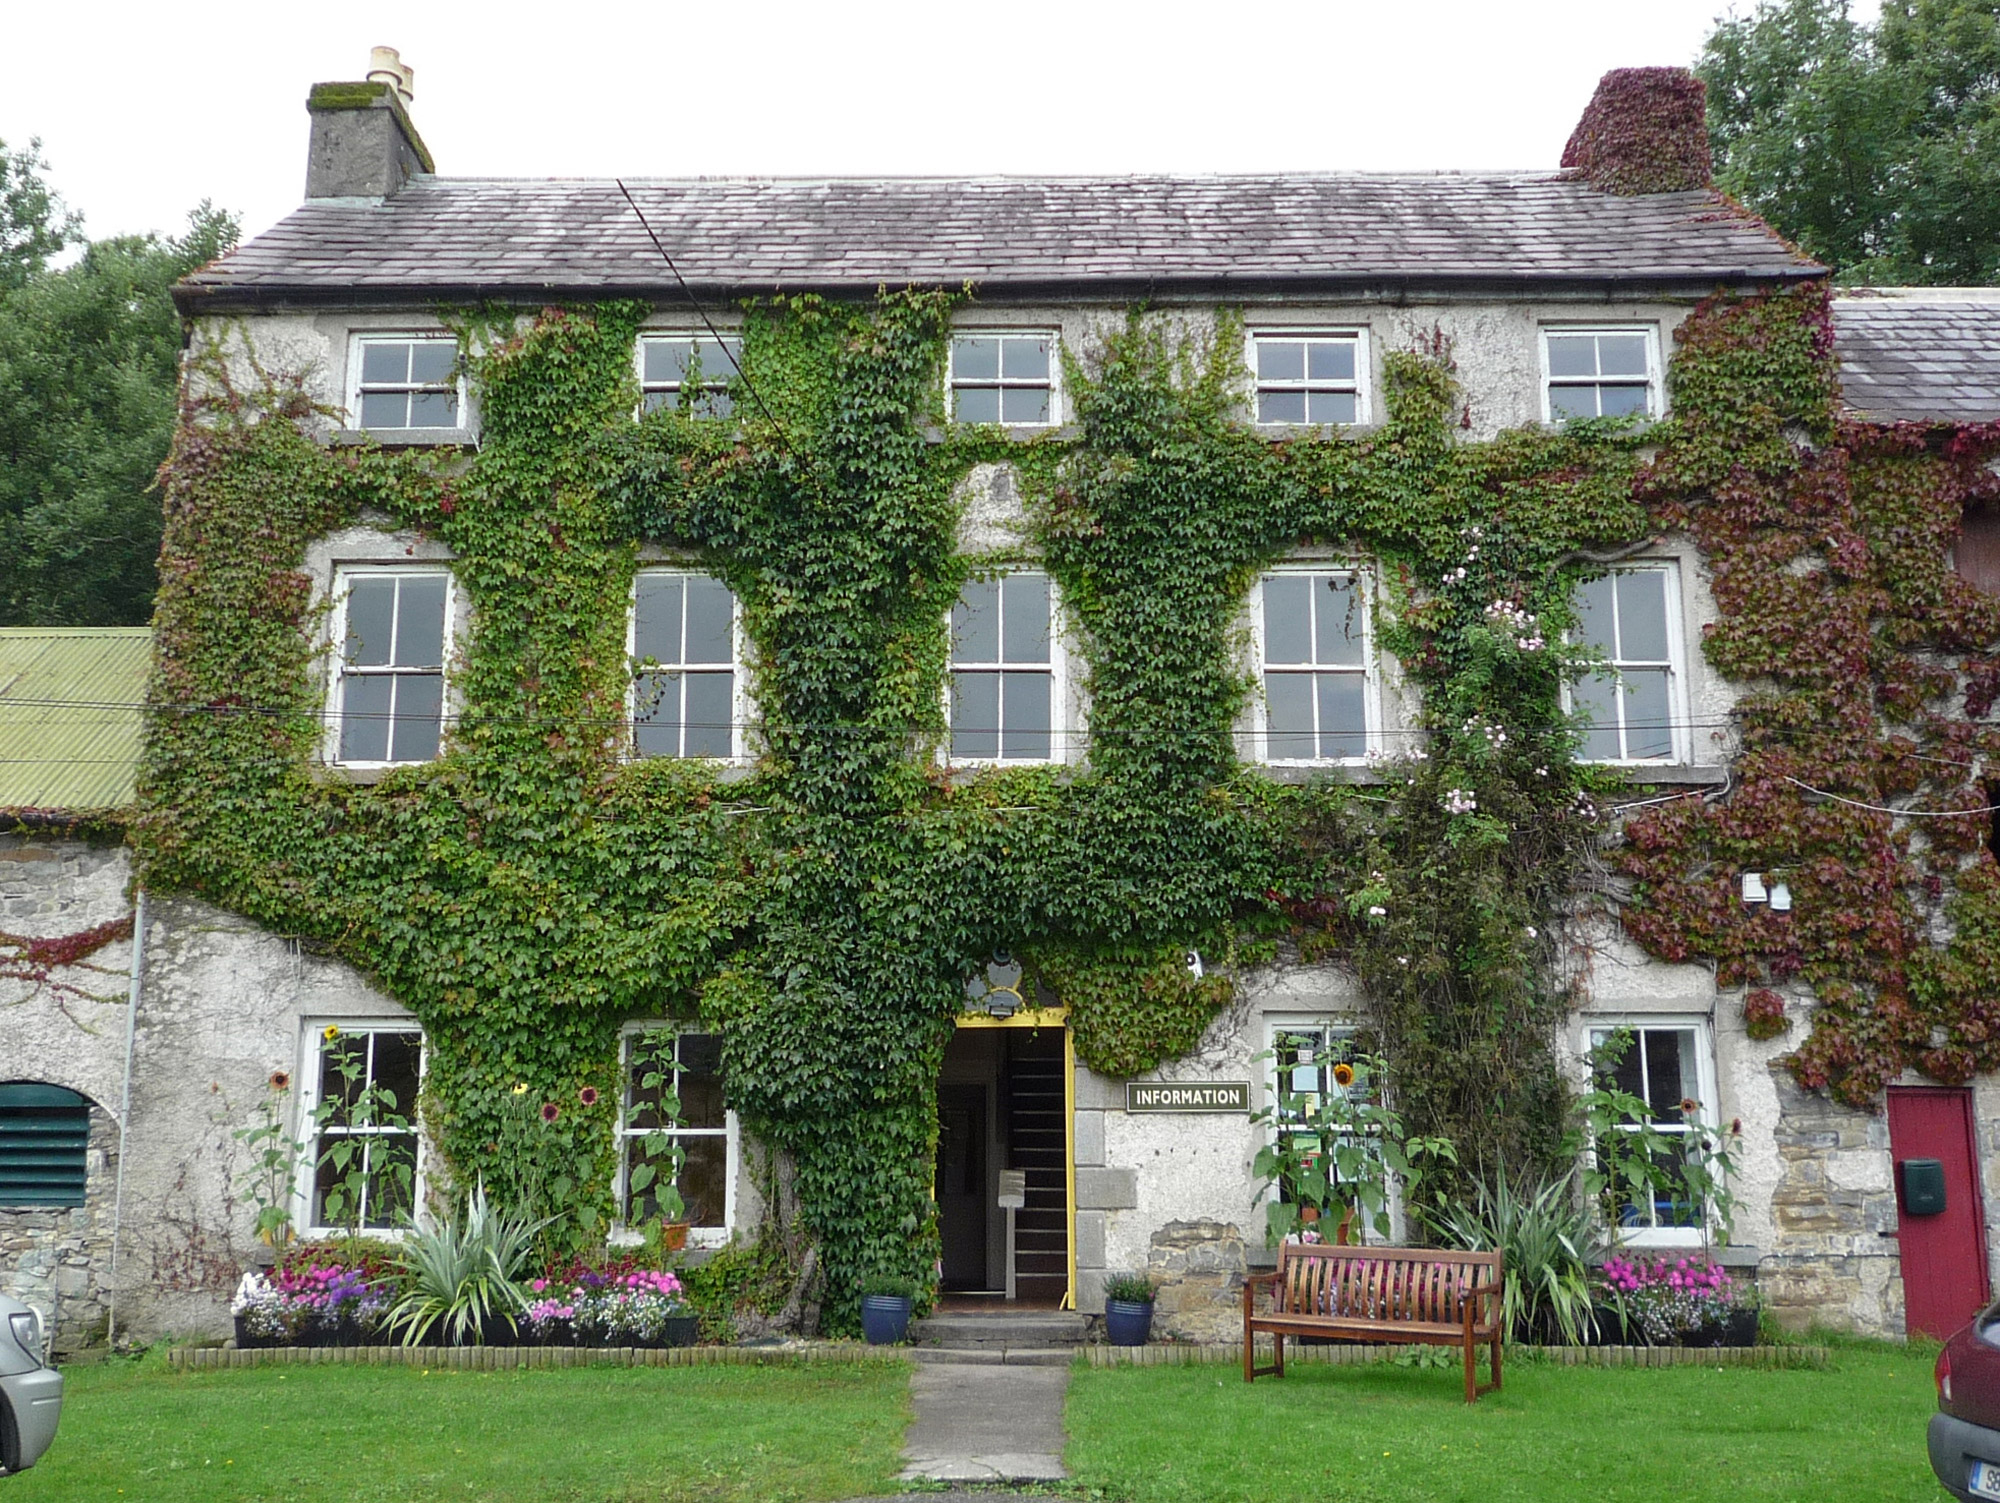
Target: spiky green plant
(462,1274)
(1550,1237)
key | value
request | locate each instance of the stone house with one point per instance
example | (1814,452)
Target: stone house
(1560,295)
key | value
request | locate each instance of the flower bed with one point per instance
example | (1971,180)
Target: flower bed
(310,1304)
(1678,1301)
(641,1307)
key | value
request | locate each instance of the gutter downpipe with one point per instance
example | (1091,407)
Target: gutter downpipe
(125,1108)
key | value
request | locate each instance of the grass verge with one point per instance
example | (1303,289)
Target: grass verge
(669,1435)
(1387,1434)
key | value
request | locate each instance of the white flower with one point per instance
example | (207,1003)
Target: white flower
(1378,911)
(1460,801)
(1531,931)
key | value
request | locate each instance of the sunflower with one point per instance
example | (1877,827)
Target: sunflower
(550,1111)
(1343,1075)
(281,1080)
(588,1095)
(521,1088)
(330,1033)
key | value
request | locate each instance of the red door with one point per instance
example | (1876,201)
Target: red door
(1944,1254)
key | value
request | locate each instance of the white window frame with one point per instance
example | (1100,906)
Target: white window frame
(338,672)
(712,380)
(360,340)
(1705,1092)
(1059,683)
(1358,337)
(1655,383)
(739,694)
(1055,388)
(308,1078)
(1676,666)
(1370,669)
(730,1132)
(1330,1028)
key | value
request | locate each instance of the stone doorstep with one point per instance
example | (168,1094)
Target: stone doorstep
(1000,1330)
(992,1356)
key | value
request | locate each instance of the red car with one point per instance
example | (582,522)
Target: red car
(1965,1432)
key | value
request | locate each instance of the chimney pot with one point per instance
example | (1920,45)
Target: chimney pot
(386,65)
(1645,130)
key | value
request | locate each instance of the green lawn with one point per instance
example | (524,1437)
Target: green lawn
(360,1433)
(1386,1434)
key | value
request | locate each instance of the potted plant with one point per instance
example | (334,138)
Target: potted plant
(1681,1301)
(885,1309)
(1128,1309)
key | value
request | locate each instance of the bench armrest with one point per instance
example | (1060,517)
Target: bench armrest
(1250,1283)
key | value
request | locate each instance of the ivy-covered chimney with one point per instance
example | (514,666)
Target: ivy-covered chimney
(363,144)
(1644,131)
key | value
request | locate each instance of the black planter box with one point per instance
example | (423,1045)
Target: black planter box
(1737,1328)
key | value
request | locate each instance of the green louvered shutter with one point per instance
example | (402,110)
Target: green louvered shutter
(44,1143)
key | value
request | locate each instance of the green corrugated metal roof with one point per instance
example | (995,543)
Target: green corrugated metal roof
(69,715)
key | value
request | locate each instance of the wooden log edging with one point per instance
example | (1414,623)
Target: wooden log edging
(510,1358)
(1175,1354)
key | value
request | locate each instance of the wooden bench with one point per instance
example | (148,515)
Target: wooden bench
(1387,1294)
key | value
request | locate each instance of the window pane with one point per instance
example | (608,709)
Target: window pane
(343,1073)
(650,1055)
(710,611)
(1287,632)
(1343,721)
(1337,624)
(975,715)
(1663,1072)
(656,714)
(392,1174)
(1628,1071)
(1647,731)
(431,361)
(419,717)
(1621,354)
(1281,407)
(1025,359)
(1331,407)
(646,1204)
(1593,615)
(656,630)
(667,360)
(709,713)
(433,409)
(975,360)
(716,368)
(385,363)
(655,400)
(975,623)
(420,621)
(1642,616)
(1566,402)
(1621,401)
(1597,697)
(976,404)
(1024,618)
(1331,360)
(1024,404)
(371,615)
(1281,360)
(716,404)
(364,719)
(398,1057)
(704,1180)
(1026,727)
(1289,712)
(1572,354)
(384,409)
(700,1056)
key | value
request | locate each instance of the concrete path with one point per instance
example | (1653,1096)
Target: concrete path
(986,1423)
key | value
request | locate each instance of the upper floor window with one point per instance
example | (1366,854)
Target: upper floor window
(1632,616)
(676,1131)
(407,381)
(393,627)
(1669,1067)
(1004,378)
(360,1111)
(1006,671)
(1307,378)
(684,679)
(1600,373)
(669,362)
(1311,634)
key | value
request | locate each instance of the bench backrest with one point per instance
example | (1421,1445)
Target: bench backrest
(1381,1283)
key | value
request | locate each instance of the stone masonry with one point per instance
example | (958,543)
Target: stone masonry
(59,1261)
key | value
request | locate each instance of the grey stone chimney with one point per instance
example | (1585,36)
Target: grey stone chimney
(363,144)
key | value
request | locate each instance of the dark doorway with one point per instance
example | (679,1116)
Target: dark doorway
(1001,1105)
(1942,1237)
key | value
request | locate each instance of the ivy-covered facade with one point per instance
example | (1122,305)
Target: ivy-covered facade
(949,658)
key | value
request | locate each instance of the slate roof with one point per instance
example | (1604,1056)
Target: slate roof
(69,716)
(499,237)
(1931,356)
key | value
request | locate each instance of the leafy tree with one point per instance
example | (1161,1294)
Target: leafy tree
(89,363)
(1877,148)
(34,225)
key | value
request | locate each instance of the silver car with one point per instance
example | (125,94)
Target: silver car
(30,1390)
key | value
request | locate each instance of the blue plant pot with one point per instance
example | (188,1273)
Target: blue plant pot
(885,1318)
(1128,1322)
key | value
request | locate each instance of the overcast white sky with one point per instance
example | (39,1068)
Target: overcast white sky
(145,109)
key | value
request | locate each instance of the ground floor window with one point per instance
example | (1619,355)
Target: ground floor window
(360,1125)
(677,1134)
(44,1147)
(1668,1068)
